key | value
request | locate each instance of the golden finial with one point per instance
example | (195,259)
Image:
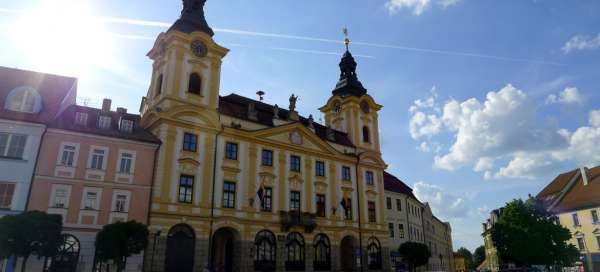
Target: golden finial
(346,40)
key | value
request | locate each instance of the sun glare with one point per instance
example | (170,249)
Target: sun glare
(63,37)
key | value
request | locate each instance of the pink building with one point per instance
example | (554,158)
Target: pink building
(95,167)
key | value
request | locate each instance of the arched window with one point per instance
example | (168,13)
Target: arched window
(24,99)
(159,83)
(322,261)
(295,252)
(195,84)
(366,134)
(265,246)
(181,244)
(374,253)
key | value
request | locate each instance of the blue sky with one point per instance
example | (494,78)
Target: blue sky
(484,101)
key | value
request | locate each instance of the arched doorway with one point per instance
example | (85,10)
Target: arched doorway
(294,247)
(374,253)
(265,246)
(347,257)
(322,259)
(181,242)
(225,254)
(67,256)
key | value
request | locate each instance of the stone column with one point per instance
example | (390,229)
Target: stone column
(201,254)
(281,256)
(335,258)
(309,254)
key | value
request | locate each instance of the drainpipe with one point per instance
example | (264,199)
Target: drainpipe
(150,210)
(357,155)
(35,165)
(212,202)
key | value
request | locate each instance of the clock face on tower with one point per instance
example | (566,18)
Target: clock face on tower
(198,48)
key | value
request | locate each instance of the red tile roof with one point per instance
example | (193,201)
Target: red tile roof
(394,184)
(578,196)
(237,106)
(56,92)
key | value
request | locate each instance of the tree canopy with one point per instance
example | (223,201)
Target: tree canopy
(30,233)
(465,253)
(478,256)
(415,254)
(120,240)
(527,234)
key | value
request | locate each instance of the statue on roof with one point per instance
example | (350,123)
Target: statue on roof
(293,100)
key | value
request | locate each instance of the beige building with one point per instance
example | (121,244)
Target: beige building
(242,185)
(409,220)
(574,197)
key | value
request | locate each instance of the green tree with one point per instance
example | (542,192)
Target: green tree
(29,233)
(465,253)
(527,234)
(415,254)
(478,256)
(120,240)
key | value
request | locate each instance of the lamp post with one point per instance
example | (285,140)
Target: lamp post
(156,235)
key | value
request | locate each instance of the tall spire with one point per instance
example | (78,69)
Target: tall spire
(192,18)
(348,83)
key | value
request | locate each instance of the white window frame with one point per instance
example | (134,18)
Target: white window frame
(81,118)
(9,139)
(116,193)
(98,192)
(104,159)
(106,119)
(55,188)
(62,150)
(126,128)
(133,157)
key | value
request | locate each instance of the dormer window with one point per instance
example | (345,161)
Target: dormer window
(24,99)
(81,118)
(126,125)
(104,122)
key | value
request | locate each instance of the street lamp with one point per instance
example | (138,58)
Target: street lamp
(156,235)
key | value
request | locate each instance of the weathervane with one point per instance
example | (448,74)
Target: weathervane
(346,40)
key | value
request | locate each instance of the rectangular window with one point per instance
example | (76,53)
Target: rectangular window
(372,212)
(598,241)
(121,203)
(104,122)
(68,155)
(320,168)
(6,195)
(388,203)
(81,118)
(321,205)
(348,211)
(12,145)
(186,188)
(190,142)
(398,205)
(231,151)
(267,204)
(90,202)
(594,216)
(60,198)
(576,220)
(369,177)
(581,243)
(345,173)
(126,125)
(229,195)
(97,159)
(401,231)
(125,164)
(295,163)
(267,157)
(294,201)
(391,228)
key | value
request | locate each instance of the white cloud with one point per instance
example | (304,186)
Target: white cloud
(427,147)
(441,202)
(569,95)
(417,6)
(502,137)
(582,42)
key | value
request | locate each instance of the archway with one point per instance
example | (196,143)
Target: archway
(265,245)
(225,253)
(67,256)
(181,242)
(347,258)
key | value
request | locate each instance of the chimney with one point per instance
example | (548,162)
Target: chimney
(122,110)
(106,105)
(584,175)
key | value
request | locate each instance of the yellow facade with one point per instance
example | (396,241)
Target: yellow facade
(206,209)
(585,233)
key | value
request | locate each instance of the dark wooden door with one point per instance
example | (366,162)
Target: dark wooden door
(180,252)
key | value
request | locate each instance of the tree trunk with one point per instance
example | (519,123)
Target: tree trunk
(24,263)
